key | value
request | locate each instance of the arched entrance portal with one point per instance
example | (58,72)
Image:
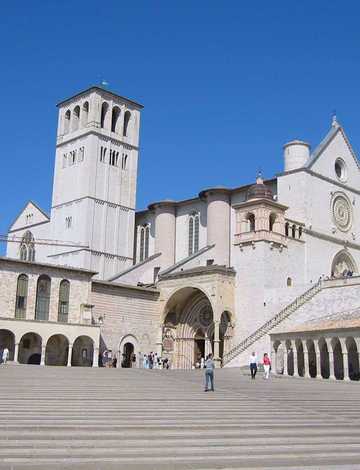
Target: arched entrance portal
(342,264)
(30,349)
(188,329)
(82,352)
(7,340)
(57,348)
(127,356)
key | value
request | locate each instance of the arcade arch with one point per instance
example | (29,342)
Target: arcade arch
(30,349)
(83,352)
(56,352)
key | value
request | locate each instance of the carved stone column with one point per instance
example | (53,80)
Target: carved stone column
(69,355)
(217,343)
(43,352)
(306,361)
(318,360)
(285,358)
(295,359)
(16,352)
(96,357)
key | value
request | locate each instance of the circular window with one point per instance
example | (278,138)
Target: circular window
(340,169)
(342,212)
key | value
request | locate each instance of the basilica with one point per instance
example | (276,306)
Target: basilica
(271,266)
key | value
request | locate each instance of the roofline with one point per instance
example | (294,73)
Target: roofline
(103,90)
(47,265)
(198,199)
(30,201)
(119,285)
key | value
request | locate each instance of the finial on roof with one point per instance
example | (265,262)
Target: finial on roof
(259,178)
(334,122)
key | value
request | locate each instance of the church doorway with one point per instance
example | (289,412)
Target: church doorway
(188,328)
(128,355)
(199,347)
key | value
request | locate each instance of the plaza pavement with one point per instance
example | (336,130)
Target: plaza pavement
(106,419)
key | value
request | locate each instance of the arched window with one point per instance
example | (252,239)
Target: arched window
(144,242)
(64,294)
(289,282)
(115,119)
(21,297)
(43,298)
(27,247)
(104,110)
(23,252)
(300,232)
(147,236)
(287,229)
(251,222)
(85,114)
(67,121)
(193,233)
(293,231)
(127,117)
(76,118)
(272,220)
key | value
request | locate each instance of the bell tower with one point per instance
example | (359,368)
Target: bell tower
(94,191)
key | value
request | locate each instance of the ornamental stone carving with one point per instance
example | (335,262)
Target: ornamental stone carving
(342,212)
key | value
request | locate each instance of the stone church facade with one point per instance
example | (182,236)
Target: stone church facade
(219,272)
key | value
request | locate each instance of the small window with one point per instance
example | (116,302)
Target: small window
(76,118)
(251,222)
(272,220)
(289,282)
(124,161)
(103,154)
(81,154)
(293,231)
(300,232)
(43,298)
(85,114)
(340,169)
(68,222)
(115,119)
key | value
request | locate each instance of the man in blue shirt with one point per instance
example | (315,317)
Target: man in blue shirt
(209,373)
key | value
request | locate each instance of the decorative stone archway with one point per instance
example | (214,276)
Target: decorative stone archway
(195,312)
(342,263)
(129,351)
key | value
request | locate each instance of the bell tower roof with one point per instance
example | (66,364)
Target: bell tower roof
(103,90)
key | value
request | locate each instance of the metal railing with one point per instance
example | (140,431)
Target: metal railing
(274,321)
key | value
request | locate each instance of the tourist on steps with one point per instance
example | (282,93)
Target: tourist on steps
(5,355)
(253,361)
(267,365)
(209,373)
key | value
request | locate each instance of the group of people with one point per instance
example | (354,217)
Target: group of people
(254,363)
(153,361)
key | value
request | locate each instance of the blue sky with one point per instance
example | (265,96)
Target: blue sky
(224,85)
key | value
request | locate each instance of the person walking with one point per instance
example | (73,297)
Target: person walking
(5,355)
(253,361)
(267,365)
(209,373)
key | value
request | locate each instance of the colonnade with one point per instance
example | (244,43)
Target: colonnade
(331,356)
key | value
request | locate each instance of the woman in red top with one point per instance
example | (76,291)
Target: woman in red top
(267,365)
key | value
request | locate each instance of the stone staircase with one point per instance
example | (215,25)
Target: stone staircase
(273,322)
(56,418)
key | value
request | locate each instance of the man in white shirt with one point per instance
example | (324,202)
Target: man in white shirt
(253,361)
(5,355)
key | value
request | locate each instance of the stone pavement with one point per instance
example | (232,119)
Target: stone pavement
(106,419)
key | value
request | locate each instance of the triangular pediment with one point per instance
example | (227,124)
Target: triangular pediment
(336,148)
(30,215)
